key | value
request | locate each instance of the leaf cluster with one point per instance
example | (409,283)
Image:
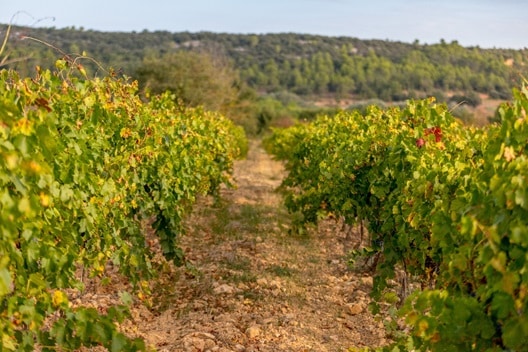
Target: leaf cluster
(444,202)
(83,163)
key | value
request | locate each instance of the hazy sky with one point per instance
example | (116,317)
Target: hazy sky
(487,23)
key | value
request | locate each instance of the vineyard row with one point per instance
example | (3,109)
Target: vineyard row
(443,202)
(84,165)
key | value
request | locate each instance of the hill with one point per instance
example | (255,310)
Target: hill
(341,69)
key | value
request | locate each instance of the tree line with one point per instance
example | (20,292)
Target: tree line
(248,65)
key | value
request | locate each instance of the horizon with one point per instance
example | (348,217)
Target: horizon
(472,23)
(82,29)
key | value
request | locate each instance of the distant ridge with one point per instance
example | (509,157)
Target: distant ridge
(303,64)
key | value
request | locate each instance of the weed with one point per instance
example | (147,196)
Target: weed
(281,271)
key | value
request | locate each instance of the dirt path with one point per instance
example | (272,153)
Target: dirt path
(253,286)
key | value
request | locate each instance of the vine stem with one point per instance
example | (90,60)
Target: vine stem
(4,61)
(66,56)
(4,43)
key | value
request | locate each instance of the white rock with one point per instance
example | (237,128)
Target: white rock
(205,335)
(192,344)
(224,288)
(262,282)
(253,331)
(275,284)
(354,308)
(239,348)
(367,280)
(209,345)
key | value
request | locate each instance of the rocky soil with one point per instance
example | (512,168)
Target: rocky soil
(252,286)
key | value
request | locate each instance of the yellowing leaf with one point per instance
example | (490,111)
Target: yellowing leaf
(23,126)
(509,154)
(509,282)
(24,206)
(125,132)
(44,199)
(60,64)
(8,342)
(5,279)
(499,262)
(89,101)
(34,167)
(412,317)
(59,298)
(82,70)
(422,327)
(11,161)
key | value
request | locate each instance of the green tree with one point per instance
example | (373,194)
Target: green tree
(197,79)
(271,69)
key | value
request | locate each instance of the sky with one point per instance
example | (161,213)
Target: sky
(484,23)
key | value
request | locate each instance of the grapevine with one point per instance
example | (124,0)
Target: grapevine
(83,163)
(443,202)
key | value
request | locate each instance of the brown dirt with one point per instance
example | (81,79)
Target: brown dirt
(486,110)
(252,286)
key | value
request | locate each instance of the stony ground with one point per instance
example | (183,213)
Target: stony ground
(251,285)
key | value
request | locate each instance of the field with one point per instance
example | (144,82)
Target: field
(135,225)
(253,286)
